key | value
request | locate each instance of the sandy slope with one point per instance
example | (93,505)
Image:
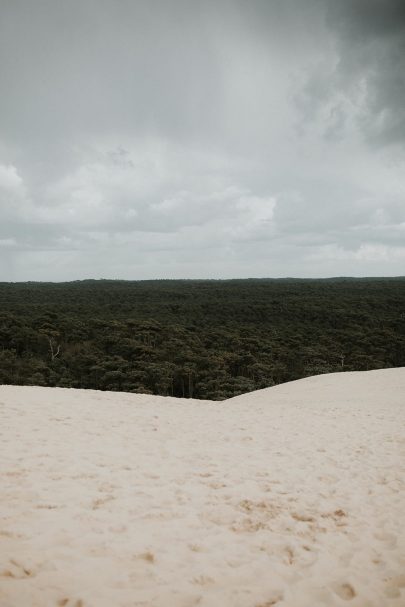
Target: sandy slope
(290,496)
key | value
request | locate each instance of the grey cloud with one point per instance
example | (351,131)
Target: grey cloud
(102,65)
(219,138)
(367,19)
(365,82)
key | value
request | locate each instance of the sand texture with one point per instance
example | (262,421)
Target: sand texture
(292,496)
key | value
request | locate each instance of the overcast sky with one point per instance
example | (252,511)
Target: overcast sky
(201,138)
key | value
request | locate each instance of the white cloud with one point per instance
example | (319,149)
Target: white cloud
(10,181)
(15,205)
(147,193)
(12,191)
(7,242)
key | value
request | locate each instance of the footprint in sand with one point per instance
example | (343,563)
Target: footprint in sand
(388,538)
(344,590)
(303,517)
(271,602)
(147,556)
(393,586)
(203,580)
(6,533)
(101,501)
(16,570)
(289,555)
(392,593)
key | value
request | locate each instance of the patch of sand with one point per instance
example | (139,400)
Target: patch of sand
(291,496)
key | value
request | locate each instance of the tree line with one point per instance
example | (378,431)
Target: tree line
(197,339)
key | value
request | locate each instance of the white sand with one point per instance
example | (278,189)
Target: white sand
(290,496)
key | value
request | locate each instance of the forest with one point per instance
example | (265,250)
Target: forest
(203,339)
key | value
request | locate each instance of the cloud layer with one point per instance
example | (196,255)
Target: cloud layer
(216,139)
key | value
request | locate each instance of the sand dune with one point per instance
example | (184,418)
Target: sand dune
(290,496)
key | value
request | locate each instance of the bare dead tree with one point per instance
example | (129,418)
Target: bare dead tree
(54,348)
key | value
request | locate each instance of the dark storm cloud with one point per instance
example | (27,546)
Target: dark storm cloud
(368,19)
(371,46)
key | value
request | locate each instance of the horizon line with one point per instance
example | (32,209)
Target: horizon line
(251,278)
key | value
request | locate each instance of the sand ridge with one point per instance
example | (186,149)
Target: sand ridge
(290,496)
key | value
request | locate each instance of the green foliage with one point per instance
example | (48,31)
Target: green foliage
(200,339)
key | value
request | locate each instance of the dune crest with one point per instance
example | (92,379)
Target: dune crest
(290,496)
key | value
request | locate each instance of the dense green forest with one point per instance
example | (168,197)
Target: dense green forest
(194,338)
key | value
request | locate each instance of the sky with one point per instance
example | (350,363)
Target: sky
(148,139)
